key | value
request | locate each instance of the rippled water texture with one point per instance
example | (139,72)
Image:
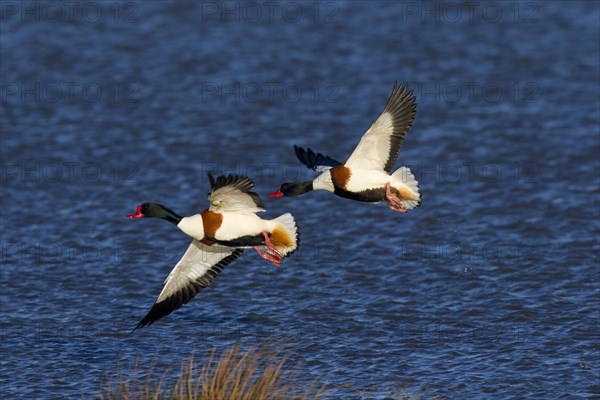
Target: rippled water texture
(489,290)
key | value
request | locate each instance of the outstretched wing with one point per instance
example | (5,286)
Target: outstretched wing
(234,193)
(315,161)
(380,145)
(198,267)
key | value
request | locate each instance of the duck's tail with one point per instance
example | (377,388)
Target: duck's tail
(284,234)
(410,196)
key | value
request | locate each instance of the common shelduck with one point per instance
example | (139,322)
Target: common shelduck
(220,234)
(365,176)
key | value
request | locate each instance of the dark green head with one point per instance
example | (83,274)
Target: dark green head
(154,210)
(293,189)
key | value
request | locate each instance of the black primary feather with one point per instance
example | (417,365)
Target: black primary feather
(314,160)
(402,105)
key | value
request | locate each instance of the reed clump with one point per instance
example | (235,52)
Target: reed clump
(235,374)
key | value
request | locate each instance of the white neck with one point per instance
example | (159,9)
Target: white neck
(323,182)
(192,226)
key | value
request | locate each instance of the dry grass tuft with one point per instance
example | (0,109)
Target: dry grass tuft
(249,375)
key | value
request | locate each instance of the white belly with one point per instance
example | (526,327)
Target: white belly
(362,179)
(234,226)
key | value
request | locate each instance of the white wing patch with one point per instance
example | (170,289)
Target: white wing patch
(373,149)
(322,168)
(231,199)
(234,194)
(198,267)
(196,261)
(380,145)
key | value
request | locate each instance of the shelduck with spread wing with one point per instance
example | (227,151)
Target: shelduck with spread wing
(220,234)
(365,176)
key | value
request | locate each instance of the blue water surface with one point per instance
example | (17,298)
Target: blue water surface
(489,290)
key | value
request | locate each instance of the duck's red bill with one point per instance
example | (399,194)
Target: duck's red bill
(276,194)
(138,213)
